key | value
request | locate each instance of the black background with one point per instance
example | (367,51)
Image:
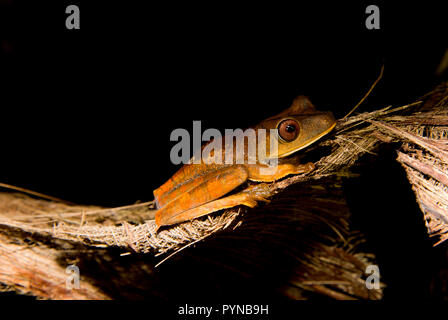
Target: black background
(86,115)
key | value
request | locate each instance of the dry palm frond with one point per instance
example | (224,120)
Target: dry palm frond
(420,128)
(132,227)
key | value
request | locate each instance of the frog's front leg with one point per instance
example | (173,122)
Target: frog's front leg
(264,173)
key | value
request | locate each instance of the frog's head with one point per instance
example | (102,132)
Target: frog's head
(298,126)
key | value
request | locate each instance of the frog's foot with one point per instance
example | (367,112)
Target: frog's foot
(304,168)
(258,192)
(247,197)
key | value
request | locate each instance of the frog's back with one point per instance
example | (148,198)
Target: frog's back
(193,175)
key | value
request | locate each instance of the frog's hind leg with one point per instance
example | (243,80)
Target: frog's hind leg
(203,190)
(247,197)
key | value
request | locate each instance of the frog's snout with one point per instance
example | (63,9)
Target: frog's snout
(327,120)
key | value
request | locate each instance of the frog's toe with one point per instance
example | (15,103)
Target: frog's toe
(251,203)
(306,168)
(262,199)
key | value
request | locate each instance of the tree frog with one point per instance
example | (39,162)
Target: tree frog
(199,189)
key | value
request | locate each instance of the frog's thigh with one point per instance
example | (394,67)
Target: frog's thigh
(205,190)
(264,173)
(241,198)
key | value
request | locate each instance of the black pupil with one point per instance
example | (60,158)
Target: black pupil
(290,128)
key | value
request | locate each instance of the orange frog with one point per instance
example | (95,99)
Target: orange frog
(200,189)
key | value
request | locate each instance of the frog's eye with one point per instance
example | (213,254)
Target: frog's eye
(288,130)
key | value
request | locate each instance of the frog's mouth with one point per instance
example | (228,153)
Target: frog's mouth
(310,142)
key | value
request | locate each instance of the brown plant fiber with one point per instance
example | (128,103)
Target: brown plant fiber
(424,155)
